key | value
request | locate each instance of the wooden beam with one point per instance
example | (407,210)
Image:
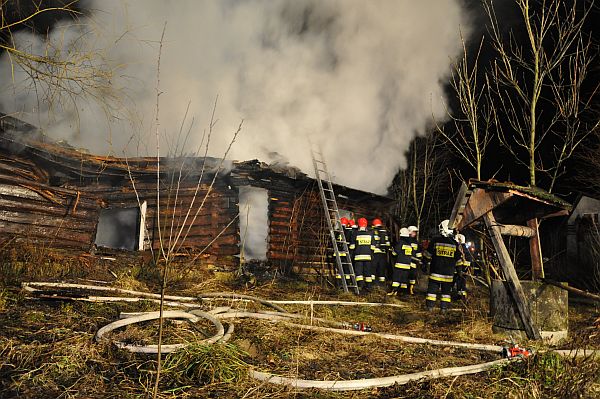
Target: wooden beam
(480,203)
(562,212)
(459,205)
(516,231)
(535,250)
(512,279)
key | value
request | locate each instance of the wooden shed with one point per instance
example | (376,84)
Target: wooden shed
(510,210)
(66,198)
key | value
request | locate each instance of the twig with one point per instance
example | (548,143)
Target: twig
(166,267)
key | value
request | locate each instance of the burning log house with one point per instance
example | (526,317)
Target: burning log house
(62,198)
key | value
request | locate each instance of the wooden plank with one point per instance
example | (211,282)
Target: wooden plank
(535,250)
(459,205)
(511,277)
(480,203)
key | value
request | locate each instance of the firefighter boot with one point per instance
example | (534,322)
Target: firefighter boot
(430,306)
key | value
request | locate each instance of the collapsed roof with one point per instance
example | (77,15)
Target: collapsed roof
(64,163)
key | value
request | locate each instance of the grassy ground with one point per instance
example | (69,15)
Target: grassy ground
(47,348)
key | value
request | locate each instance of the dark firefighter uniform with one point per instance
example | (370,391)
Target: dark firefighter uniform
(402,254)
(416,259)
(340,238)
(443,253)
(363,254)
(382,246)
(462,267)
(476,262)
(350,231)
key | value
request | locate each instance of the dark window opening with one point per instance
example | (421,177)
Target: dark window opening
(119,228)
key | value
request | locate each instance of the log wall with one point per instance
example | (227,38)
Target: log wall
(53,195)
(299,240)
(66,216)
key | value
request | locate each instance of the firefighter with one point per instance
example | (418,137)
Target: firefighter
(443,254)
(382,245)
(363,253)
(462,266)
(416,258)
(341,237)
(350,235)
(402,253)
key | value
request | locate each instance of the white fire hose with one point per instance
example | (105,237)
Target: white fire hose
(281,315)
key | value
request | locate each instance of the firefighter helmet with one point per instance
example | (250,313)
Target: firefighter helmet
(444,229)
(404,232)
(352,223)
(362,222)
(377,222)
(412,229)
(344,221)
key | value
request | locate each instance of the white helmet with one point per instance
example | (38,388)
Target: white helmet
(404,232)
(412,229)
(460,238)
(444,230)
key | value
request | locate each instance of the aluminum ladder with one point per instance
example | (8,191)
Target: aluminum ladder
(332,214)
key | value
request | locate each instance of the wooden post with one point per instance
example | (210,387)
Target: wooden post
(510,274)
(535,250)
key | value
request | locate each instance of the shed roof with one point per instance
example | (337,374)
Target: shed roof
(511,203)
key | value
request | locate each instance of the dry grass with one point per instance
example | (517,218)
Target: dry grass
(3,299)
(206,364)
(47,348)
(312,355)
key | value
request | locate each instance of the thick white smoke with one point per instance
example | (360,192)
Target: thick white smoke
(254,222)
(360,77)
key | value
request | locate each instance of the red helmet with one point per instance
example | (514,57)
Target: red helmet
(362,222)
(344,221)
(377,222)
(352,222)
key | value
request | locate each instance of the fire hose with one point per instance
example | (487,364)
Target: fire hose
(280,315)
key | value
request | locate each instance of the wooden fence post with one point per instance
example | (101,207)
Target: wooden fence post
(535,249)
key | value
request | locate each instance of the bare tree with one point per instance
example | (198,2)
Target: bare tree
(63,70)
(417,188)
(546,73)
(471,131)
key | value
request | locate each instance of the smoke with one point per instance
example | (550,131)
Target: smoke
(254,222)
(118,228)
(361,78)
